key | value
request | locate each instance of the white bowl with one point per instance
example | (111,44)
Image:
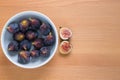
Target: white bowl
(6,37)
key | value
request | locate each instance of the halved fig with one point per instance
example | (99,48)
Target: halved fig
(65,47)
(65,33)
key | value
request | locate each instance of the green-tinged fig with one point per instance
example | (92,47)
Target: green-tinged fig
(19,36)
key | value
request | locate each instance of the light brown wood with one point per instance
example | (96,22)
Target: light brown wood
(96,40)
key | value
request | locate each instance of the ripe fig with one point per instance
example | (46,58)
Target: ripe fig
(44,51)
(35,53)
(24,25)
(24,57)
(38,43)
(25,45)
(45,29)
(19,36)
(13,27)
(31,35)
(35,23)
(65,47)
(65,33)
(13,46)
(49,40)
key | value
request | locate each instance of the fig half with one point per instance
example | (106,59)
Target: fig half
(65,33)
(65,47)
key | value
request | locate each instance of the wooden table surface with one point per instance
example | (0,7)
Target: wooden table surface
(96,40)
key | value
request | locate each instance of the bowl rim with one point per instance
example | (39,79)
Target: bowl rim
(56,44)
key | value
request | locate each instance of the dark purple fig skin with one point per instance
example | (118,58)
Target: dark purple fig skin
(24,57)
(34,53)
(49,40)
(45,29)
(44,52)
(25,45)
(38,43)
(31,35)
(34,23)
(13,27)
(13,46)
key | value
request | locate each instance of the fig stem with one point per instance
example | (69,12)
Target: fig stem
(9,49)
(33,43)
(50,33)
(60,27)
(30,18)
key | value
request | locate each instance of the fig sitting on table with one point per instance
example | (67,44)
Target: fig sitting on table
(65,33)
(65,47)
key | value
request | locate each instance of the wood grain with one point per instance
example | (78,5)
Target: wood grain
(96,40)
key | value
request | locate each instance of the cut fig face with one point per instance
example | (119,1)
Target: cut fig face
(65,47)
(65,33)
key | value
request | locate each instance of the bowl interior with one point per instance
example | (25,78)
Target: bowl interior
(7,37)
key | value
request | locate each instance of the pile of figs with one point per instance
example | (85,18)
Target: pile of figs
(32,38)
